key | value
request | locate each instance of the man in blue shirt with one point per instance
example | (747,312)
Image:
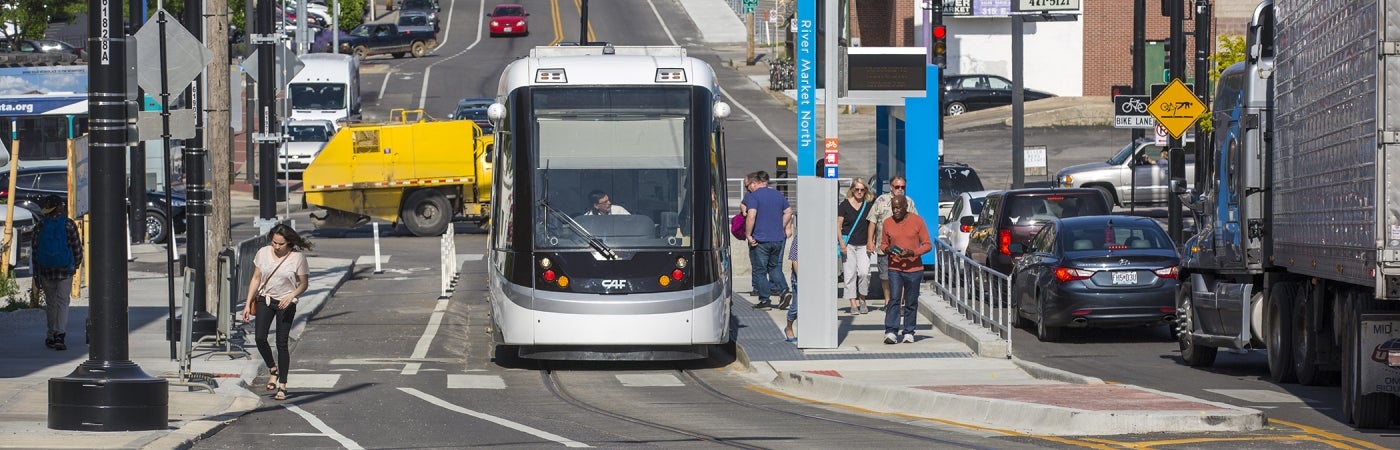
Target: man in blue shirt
(766,224)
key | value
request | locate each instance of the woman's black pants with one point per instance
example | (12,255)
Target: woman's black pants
(265,316)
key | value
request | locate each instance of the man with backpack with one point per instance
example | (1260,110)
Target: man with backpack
(56,255)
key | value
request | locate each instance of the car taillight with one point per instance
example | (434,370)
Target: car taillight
(965,228)
(1166,272)
(1066,274)
(1004,239)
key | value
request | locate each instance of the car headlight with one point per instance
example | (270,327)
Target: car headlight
(495,23)
(521,23)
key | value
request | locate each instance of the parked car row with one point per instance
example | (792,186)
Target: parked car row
(33,183)
(1070,262)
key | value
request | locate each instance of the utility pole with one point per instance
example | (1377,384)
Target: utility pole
(108,392)
(748,26)
(219,130)
(583,23)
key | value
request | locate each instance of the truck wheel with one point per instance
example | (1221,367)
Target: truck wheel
(1370,410)
(1305,339)
(157,228)
(361,52)
(1279,344)
(1108,195)
(426,213)
(419,49)
(1192,354)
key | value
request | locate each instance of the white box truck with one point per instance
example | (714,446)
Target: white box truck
(326,88)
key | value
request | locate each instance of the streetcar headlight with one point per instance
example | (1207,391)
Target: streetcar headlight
(545,263)
(681,262)
(721,110)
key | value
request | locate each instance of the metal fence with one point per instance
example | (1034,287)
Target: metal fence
(979,293)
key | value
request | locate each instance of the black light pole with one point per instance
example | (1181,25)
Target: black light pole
(583,23)
(1203,48)
(1139,55)
(108,392)
(196,190)
(267,120)
(1177,167)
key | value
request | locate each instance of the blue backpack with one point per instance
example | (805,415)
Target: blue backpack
(52,251)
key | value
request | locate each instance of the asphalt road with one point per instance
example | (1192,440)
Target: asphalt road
(389,364)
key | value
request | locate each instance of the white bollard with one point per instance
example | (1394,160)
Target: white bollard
(377,268)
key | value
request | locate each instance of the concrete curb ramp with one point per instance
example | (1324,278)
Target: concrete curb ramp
(1162,412)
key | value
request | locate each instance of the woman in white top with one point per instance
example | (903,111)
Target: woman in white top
(280,274)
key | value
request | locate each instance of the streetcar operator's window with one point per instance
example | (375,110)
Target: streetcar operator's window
(633,143)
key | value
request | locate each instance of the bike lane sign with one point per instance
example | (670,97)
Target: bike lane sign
(1130,111)
(1176,108)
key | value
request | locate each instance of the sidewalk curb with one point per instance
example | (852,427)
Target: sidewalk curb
(1020,417)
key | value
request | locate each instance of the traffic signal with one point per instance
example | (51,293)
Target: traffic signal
(1167,59)
(940,45)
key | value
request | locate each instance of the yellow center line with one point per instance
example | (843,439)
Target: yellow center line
(558,24)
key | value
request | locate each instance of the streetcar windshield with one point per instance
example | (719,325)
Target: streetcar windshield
(616,161)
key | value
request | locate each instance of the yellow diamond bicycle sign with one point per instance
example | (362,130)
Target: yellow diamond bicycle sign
(1176,108)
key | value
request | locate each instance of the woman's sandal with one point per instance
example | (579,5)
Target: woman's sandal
(281,394)
(272,381)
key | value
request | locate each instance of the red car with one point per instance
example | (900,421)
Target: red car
(509,19)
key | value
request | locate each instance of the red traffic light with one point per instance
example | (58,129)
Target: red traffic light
(940,32)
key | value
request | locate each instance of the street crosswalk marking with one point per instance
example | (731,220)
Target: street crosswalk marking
(1259,395)
(464,381)
(648,380)
(313,380)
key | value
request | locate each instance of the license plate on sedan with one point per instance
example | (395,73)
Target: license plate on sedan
(509,29)
(1125,278)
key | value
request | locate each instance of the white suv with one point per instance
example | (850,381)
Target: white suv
(305,139)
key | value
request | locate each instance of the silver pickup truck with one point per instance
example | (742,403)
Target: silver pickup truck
(1129,177)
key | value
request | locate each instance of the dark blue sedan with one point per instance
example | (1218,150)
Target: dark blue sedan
(1095,271)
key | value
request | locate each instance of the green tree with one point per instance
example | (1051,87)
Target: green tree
(30,18)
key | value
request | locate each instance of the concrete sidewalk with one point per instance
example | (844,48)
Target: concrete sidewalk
(193,414)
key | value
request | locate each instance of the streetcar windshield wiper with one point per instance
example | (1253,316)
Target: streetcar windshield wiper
(593,241)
